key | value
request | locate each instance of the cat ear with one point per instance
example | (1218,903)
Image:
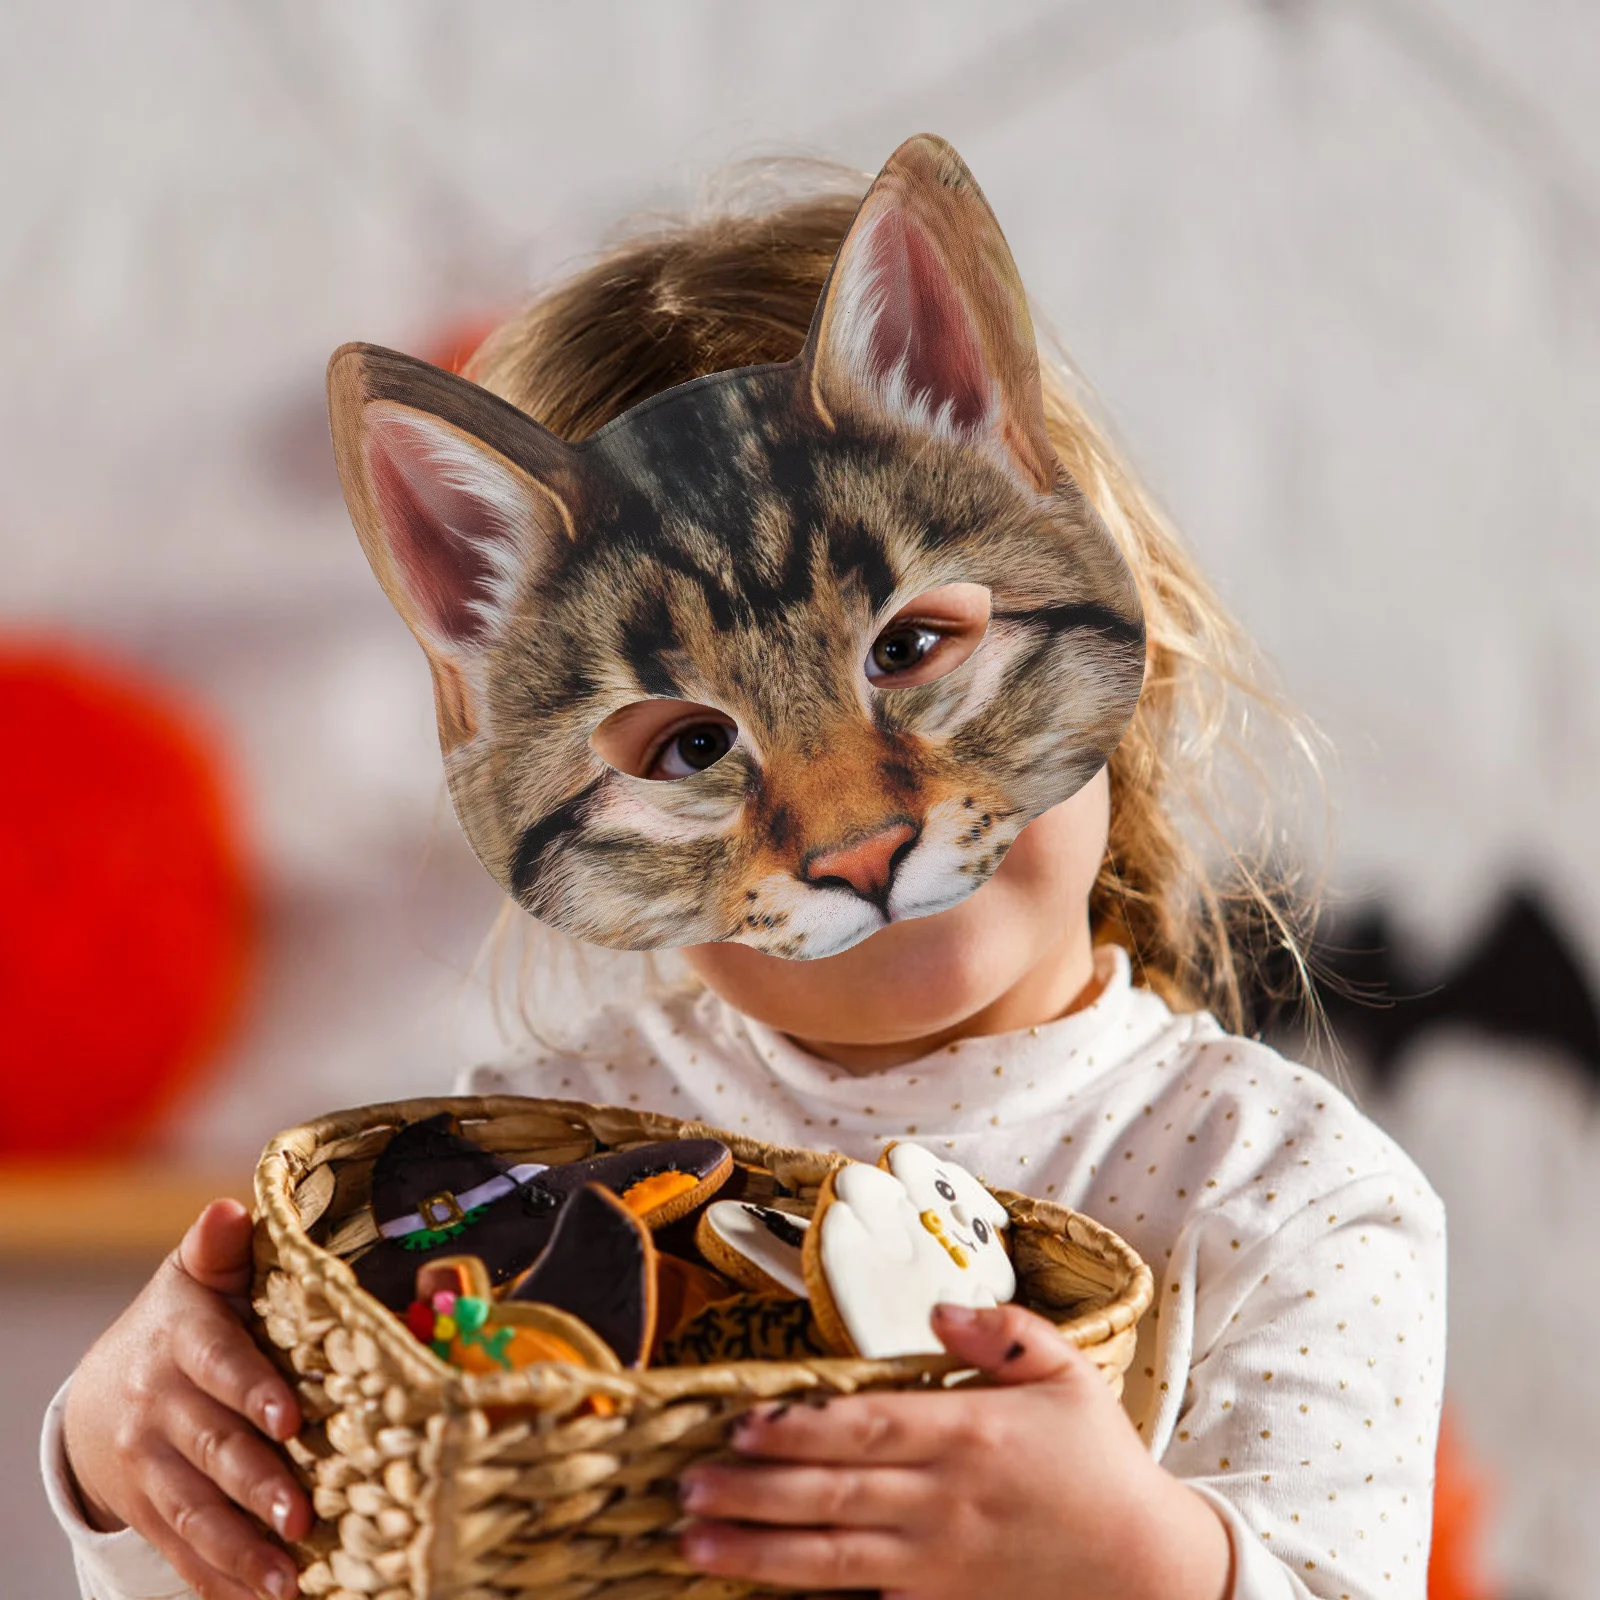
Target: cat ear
(455,496)
(923,318)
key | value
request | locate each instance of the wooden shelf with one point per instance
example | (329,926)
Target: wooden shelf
(103,1210)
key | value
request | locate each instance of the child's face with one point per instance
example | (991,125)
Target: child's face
(1024,935)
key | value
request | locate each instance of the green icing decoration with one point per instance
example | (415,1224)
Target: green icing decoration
(431,1238)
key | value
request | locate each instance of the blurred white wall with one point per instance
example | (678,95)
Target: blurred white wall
(1335,269)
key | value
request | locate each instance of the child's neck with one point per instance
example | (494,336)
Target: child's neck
(1054,988)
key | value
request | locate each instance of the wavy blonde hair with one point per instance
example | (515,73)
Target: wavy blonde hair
(1194,884)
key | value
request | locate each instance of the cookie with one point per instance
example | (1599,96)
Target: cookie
(959,1212)
(455,1314)
(437,1192)
(749,1327)
(600,1265)
(658,1182)
(754,1184)
(754,1245)
(889,1243)
(683,1290)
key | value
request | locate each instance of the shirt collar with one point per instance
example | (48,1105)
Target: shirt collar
(986,1081)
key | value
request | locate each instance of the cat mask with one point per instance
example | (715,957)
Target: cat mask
(780,655)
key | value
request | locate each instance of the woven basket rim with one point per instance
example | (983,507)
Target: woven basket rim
(289,1158)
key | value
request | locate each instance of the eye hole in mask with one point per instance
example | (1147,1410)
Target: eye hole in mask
(664,739)
(929,636)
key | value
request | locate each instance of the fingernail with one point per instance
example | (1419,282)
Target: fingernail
(691,1493)
(275,1417)
(698,1547)
(955,1316)
(282,1507)
(281,1584)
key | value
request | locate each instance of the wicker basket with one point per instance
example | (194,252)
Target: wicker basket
(427,1488)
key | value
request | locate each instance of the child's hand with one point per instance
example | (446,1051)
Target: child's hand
(162,1415)
(1039,1490)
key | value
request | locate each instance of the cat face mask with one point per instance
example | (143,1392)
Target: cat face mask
(778,656)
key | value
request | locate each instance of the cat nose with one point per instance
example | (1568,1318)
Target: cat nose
(867,866)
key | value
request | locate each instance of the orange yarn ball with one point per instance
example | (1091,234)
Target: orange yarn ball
(124,910)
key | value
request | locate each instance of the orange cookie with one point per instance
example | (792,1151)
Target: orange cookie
(683,1290)
(455,1315)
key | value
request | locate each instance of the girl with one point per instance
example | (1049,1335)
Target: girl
(1057,1032)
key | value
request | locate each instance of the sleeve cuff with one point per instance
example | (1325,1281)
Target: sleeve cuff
(111,1566)
(1257,1573)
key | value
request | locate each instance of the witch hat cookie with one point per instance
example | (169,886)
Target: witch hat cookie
(437,1193)
(656,1182)
(599,1266)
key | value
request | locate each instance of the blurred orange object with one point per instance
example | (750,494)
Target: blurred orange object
(125,914)
(1460,1499)
(457,344)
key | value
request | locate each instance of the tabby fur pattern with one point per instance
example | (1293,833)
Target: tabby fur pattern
(739,542)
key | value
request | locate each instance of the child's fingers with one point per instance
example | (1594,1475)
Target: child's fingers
(215,1353)
(206,1582)
(215,1252)
(857,1558)
(875,1430)
(809,1497)
(1010,1343)
(239,1461)
(233,1558)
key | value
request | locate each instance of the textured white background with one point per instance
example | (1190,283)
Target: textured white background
(1335,269)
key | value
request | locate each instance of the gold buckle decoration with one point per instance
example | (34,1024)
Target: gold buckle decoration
(441,1210)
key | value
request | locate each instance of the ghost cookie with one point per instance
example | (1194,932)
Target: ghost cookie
(757,1247)
(889,1243)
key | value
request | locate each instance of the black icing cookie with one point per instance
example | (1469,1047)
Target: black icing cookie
(599,1266)
(436,1192)
(658,1182)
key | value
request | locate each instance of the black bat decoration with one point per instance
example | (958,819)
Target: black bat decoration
(1520,978)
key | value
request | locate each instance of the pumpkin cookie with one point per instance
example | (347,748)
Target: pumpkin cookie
(456,1315)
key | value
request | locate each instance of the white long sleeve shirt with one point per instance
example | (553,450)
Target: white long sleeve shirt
(1291,1367)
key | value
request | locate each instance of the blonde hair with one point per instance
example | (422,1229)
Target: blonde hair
(1194,884)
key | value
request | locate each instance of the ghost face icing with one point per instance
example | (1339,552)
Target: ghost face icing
(900,1239)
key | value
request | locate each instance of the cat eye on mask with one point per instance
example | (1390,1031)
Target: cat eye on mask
(779,656)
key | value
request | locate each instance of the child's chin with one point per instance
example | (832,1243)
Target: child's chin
(920,976)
